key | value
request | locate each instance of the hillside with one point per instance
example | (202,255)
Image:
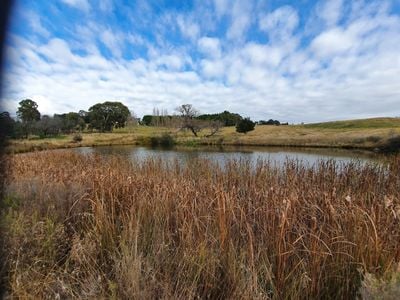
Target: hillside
(371,123)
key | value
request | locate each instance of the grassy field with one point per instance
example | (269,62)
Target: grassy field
(373,123)
(76,226)
(363,134)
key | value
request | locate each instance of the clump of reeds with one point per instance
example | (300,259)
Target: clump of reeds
(91,226)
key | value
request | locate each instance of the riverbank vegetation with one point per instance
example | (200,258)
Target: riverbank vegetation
(371,138)
(81,226)
(111,123)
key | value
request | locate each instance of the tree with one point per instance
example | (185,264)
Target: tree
(105,116)
(269,122)
(226,118)
(188,116)
(84,115)
(48,126)
(28,113)
(245,125)
(147,120)
(71,122)
(215,126)
(7,125)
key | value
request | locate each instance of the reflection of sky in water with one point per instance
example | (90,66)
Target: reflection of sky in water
(221,156)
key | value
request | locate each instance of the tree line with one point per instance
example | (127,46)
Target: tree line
(106,116)
(101,117)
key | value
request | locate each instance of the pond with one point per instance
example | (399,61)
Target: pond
(220,155)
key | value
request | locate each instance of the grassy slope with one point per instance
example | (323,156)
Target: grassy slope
(365,133)
(373,123)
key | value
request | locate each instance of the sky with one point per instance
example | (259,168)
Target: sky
(295,61)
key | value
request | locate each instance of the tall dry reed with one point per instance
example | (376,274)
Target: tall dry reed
(90,226)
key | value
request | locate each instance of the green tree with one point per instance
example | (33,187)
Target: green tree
(105,116)
(48,126)
(28,113)
(245,125)
(7,125)
(71,122)
(146,120)
(226,118)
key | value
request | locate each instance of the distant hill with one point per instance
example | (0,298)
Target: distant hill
(371,123)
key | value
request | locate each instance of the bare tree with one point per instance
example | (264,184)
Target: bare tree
(188,116)
(214,126)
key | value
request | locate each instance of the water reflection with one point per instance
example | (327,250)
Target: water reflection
(276,155)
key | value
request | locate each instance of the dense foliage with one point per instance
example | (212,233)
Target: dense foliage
(226,118)
(7,126)
(245,125)
(71,122)
(28,114)
(28,111)
(105,116)
(269,122)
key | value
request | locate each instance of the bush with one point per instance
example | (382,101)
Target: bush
(245,125)
(392,145)
(166,140)
(374,138)
(77,138)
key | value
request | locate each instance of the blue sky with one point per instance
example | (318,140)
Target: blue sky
(296,61)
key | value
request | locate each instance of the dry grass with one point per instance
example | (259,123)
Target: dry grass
(137,135)
(362,134)
(95,227)
(368,138)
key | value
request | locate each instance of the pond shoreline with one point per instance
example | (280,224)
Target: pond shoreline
(378,140)
(26,147)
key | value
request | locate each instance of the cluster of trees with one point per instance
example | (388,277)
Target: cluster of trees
(226,118)
(108,115)
(102,117)
(191,120)
(271,122)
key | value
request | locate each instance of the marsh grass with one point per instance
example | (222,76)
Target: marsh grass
(77,226)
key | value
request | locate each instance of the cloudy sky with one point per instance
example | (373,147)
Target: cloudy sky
(296,61)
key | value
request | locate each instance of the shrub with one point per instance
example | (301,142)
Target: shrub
(373,138)
(392,145)
(77,138)
(166,140)
(245,125)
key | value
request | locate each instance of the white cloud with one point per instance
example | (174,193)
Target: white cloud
(241,18)
(78,4)
(188,27)
(113,41)
(280,23)
(210,46)
(35,23)
(332,42)
(106,5)
(221,7)
(349,70)
(330,11)
(212,68)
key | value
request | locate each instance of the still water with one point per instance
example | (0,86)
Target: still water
(276,155)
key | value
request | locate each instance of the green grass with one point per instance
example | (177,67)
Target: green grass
(373,123)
